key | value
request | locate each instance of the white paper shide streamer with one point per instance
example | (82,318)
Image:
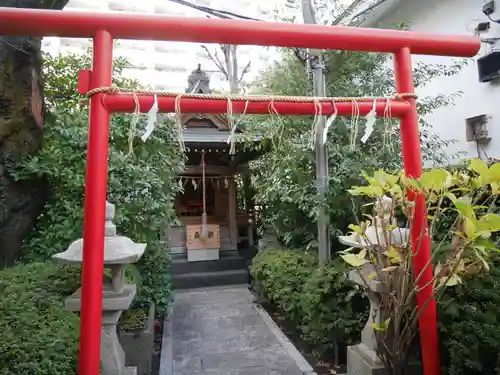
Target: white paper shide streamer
(371,117)
(329,123)
(152,119)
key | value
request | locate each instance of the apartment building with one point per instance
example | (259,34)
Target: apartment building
(166,65)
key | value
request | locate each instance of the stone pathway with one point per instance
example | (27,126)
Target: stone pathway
(220,331)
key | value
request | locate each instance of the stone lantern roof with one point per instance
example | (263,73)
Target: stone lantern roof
(198,82)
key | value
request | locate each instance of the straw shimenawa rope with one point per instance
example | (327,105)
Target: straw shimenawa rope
(248,98)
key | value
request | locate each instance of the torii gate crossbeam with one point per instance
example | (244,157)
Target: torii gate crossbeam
(104,28)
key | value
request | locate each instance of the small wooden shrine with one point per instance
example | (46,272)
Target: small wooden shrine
(210,221)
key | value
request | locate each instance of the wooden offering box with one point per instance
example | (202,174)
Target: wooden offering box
(199,248)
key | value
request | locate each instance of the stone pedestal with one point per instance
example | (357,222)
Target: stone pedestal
(116,296)
(362,359)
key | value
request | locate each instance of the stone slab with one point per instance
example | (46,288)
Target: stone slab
(111,301)
(198,255)
(360,361)
(138,345)
(221,331)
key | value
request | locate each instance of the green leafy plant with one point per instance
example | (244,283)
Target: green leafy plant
(140,178)
(39,336)
(388,254)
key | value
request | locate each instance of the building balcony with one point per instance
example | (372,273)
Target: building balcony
(130,6)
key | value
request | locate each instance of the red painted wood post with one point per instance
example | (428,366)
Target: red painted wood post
(412,160)
(95,209)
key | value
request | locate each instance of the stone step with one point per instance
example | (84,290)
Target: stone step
(180,264)
(207,279)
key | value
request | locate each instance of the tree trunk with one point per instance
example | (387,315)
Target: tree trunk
(21,129)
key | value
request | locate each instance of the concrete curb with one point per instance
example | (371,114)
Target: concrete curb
(166,355)
(289,347)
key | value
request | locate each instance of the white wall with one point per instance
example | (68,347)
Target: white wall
(455,17)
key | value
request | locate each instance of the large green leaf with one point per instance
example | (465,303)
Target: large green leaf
(490,222)
(464,206)
(435,179)
(479,166)
(354,260)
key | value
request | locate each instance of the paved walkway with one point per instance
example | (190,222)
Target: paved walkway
(220,331)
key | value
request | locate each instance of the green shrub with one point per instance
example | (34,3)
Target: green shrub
(329,310)
(280,276)
(333,310)
(469,325)
(39,337)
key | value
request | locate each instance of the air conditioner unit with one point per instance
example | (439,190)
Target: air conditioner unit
(489,66)
(477,129)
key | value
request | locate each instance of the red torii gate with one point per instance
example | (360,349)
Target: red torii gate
(103,28)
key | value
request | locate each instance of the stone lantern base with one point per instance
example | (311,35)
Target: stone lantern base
(113,304)
(116,295)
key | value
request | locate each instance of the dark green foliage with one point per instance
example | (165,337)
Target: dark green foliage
(139,184)
(469,324)
(329,310)
(155,281)
(134,319)
(39,336)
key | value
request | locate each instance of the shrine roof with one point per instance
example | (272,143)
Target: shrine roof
(212,135)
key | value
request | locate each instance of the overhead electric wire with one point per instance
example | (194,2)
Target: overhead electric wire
(371,7)
(230,15)
(214,12)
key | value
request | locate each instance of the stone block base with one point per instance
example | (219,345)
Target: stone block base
(138,345)
(130,370)
(203,254)
(363,361)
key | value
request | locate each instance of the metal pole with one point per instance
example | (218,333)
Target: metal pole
(95,210)
(412,159)
(319,82)
(319,79)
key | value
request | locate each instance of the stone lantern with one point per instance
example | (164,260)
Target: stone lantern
(362,359)
(117,296)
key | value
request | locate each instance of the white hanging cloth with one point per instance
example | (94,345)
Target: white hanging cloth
(152,119)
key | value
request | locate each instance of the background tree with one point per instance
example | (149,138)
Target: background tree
(285,177)
(21,127)
(229,66)
(336,12)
